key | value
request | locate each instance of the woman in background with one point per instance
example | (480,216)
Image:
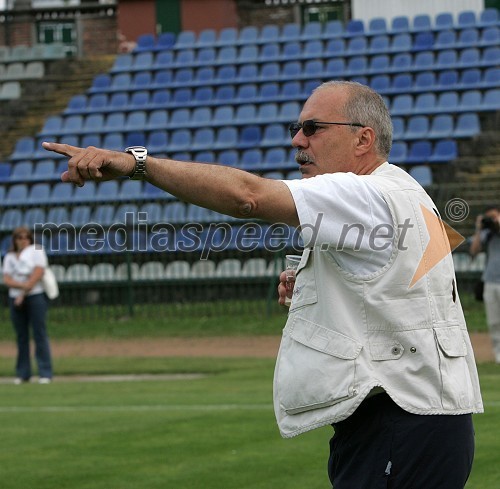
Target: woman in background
(23,269)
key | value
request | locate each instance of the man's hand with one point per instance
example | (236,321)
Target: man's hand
(285,288)
(92,163)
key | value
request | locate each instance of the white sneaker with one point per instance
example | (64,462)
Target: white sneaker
(44,380)
(18,381)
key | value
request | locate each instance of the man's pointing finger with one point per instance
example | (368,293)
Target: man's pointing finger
(63,149)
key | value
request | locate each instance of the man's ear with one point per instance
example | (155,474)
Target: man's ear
(366,141)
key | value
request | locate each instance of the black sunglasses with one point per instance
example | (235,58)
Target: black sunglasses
(309,127)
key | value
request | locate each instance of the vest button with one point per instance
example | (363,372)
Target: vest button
(413,349)
(396,350)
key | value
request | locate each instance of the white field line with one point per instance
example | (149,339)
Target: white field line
(136,408)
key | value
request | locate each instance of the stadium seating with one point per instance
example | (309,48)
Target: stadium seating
(228,96)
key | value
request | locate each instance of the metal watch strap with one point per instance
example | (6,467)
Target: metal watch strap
(140,153)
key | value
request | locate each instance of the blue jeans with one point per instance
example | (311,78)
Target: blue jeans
(32,311)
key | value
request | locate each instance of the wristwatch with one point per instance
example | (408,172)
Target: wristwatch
(140,153)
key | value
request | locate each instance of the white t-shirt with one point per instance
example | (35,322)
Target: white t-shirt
(21,267)
(346,216)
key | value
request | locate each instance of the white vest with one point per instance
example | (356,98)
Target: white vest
(347,334)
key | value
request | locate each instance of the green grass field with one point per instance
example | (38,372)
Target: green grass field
(214,432)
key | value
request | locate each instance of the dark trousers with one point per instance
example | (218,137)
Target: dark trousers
(32,311)
(381,446)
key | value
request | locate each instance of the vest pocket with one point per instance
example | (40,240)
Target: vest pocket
(304,290)
(316,367)
(455,376)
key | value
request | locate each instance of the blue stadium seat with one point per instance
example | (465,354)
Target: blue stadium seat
(157,119)
(313,49)
(398,128)
(152,211)
(248,35)
(377,26)
(467,126)
(107,190)
(471,101)
(180,118)
(400,24)
(91,140)
(5,169)
(425,103)
(401,62)
(58,215)
(93,123)
(80,215)
(269,34)
(142,80)
(204,76)
(467,19)
(227,55)
(267,112)
(76,105)
(402,105)
(205,156)
(247,93)
(290,32)
(246,113)
(289,111)
(11,218)
(203,138)
(163,60)
(39,193)
(444,21)
(61,192)
(311,30)
(423,41)
(444,151)
(275,158)
(225,94)
(379,64)
(490,57)
(145,42)
(488,17)
(185,58)
(468,38)
(447,80)
(227,37)
(358,65)
(135,121)
(21,170)
(289,91)
(291,51)
(202,116)
(180,140)
(229,157)
(398,152)
(335,48)
(425,81)
(87,193)
(356,46)
(419,152)
(248,73)
(402,83)
(417,127)
(181,97)
(23,149)
(490,37)
(185,40)
(223,115)
(445,39)
(491,99)
(251,159)
(52,126)
(101,83)
(248,53)
(143,61)
(16,194)
(34,216)
(123,62)
(401,43)
(354,27)
(421,22)
(97,102)
(73,124)
(274,135)
(121,82)
(470,58)
(104,214)
(206,38)
(175,212)
(379,45)
(332,29)
(157,142)
(423,60)
(441,127)
(114,141)
(135,138)
(126,213)
(447,102)
(422,174)
(249,136)
(161,79)
(446,59)
(490,78)
(269,92)
(202,96)
(270,52)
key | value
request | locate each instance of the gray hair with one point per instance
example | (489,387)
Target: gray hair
(368,108)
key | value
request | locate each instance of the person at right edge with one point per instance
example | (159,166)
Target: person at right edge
(487,239)
(375,343)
